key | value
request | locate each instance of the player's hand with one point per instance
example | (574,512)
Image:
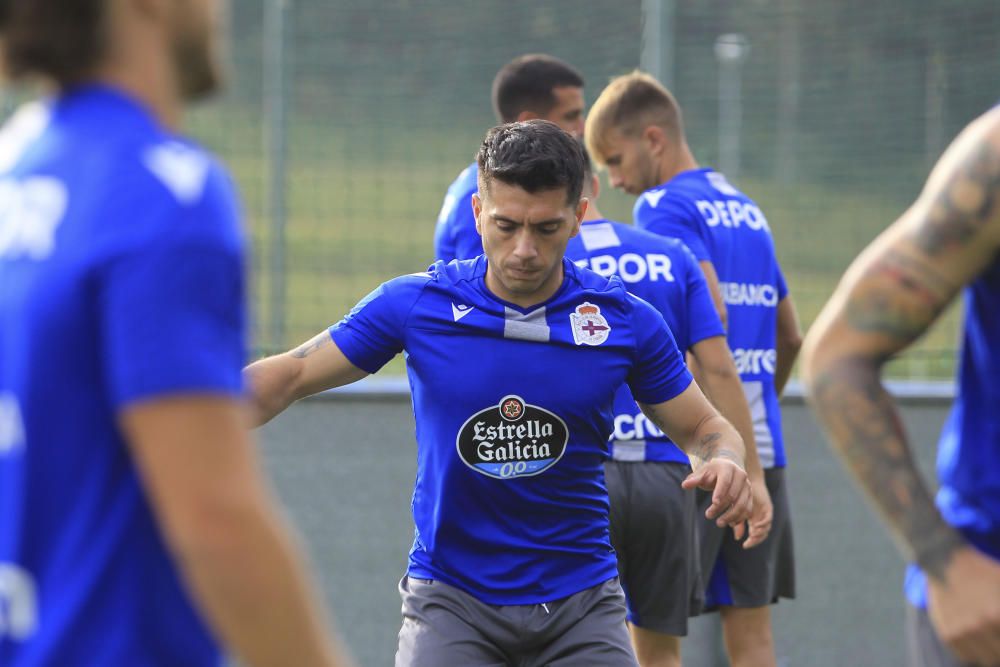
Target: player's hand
(964,607)
(762,515)
(732,500)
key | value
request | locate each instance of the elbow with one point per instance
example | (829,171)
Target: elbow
(790,343)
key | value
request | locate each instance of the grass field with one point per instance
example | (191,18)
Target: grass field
(362,201)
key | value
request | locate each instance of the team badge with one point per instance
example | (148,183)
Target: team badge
(589,326)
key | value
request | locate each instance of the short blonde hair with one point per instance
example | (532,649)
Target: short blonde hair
(629,104)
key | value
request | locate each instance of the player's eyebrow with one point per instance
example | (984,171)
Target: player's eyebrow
(551,221)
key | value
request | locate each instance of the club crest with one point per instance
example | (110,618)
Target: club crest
(589,326)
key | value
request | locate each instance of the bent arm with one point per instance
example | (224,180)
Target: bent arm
(222,526)
(715,449)
(890,296)
(720,380)
(787,344)
(277,382)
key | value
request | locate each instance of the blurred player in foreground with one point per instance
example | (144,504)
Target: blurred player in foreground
(135,528)
(530,86)
(948,240)
(653,527)
(636,130)
(513,360)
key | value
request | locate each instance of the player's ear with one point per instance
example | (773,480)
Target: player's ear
(477,209)
(581,210)
(655,139)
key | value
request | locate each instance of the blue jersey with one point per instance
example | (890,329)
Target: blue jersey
(721,225)
(120,281)
(513,412)
(664,273)
(968,462)
(455,236)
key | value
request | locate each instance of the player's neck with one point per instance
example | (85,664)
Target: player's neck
(146,74)
(522,299)
(676,162)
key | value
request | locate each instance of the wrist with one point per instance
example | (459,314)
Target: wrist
(936,550)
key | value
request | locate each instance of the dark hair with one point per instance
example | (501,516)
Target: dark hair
(526,83)
(534,155)
(588,166)
(62,40)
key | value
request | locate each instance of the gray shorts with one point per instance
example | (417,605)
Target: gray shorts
(445,626)
(923,647)
(653,532)
(738,577)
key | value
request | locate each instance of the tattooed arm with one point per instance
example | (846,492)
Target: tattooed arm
(889,297)
(716,451)
(277,382)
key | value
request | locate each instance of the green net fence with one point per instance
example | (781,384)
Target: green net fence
(345,125)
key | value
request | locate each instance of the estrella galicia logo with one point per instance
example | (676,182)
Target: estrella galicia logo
(512,439)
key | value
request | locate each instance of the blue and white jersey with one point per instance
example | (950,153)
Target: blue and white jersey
(513,412)
(121,280)
(968,460)
(664,273)
(455,236)
(721,225)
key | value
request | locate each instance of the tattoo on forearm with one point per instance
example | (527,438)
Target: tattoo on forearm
(862,422)
(307,348)
(709,448)
(898,297)
(966,203)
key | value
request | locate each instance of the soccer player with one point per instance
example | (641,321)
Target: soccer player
(635,129)
(530,86)
(513,360)
(652,517)
(135,528)
(948,239)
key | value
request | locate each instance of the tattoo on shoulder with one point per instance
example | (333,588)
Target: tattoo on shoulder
(967,202)
(307,348)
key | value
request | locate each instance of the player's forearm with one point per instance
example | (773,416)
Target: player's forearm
(863,426)
(249,579)
(714,438)
(724,389)
(271,384)
(786,352)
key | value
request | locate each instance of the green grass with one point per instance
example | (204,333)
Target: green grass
(362,201)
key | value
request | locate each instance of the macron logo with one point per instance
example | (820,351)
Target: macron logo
(461,311)
(654,197)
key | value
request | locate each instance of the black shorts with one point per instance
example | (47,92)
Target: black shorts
(738,577)
(653,533)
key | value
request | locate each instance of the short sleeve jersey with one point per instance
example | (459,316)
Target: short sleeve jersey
(121,280)
(664,273)
(721,225)
(455,236)
(514,408)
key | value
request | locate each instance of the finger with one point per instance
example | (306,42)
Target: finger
(733,515)
(694,480)
(759,530)
(723,496)
(739,530)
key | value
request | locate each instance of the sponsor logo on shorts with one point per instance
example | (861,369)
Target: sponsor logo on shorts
(512,439)
(589,326)
(749,294)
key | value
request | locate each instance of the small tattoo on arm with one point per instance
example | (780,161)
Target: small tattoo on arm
(307,348)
